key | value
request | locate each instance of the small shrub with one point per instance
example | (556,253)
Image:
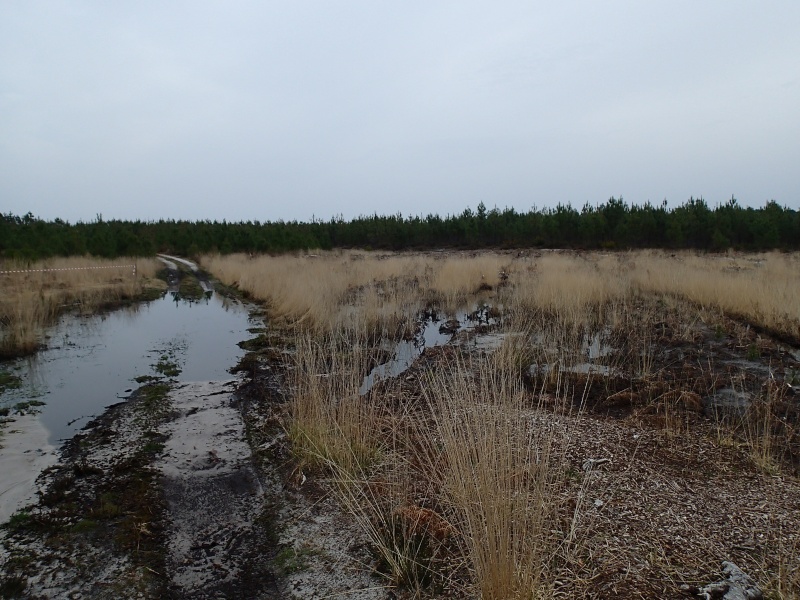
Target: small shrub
(9,381)
(19,521)
(13,586)
(292,560)
(108,507)
(85,526)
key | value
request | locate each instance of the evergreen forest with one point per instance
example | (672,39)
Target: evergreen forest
(614,224)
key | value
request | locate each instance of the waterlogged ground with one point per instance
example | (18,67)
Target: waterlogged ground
(185,486)
(92,362)
(157,491)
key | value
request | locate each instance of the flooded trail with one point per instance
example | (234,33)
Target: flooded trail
(92,362)
(155,496)
(178,490)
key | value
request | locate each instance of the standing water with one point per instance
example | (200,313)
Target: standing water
(91,363)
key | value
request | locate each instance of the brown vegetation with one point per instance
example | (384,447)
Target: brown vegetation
(31,300)
(593,451)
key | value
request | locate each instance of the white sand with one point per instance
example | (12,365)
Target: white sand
(25,453)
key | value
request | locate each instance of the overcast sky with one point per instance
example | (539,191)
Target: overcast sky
(288,110)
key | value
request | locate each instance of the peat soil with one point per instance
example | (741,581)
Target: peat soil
(675,460)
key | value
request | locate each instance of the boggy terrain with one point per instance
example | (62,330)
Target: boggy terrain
(495,425)
(599,425)
(36,293)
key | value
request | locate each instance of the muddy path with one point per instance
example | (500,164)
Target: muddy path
(158,498)
(182,490)
(185,278)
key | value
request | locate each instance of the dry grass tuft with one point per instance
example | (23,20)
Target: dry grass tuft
(501,476)
(331,426)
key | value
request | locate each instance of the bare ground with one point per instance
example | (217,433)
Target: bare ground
(162,497)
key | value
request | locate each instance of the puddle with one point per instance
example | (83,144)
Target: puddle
(793,352)
(746,365)
(482,315)
(26,453)
(91,362)
(489,341)
(405,353)
(594,346)
(434,331)
(728,400)
(586,368)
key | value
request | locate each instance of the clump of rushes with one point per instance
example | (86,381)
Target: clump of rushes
(330,425)
(500,468)
(353,440)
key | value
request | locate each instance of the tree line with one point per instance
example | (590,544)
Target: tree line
(614,224)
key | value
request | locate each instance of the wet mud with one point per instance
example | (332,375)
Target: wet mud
(213,498)
(181,490)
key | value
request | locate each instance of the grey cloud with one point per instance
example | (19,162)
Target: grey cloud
(255,110)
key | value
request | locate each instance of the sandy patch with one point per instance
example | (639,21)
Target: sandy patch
(24,454)
(213,494)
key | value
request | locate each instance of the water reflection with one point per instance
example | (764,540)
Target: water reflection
(90,362)
(432,331)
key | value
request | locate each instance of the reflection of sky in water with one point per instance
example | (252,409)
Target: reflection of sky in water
(91,361)
(406,352)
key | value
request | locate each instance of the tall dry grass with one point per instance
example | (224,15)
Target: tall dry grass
(454,280)
(470,476)
(338,289)
(500,469)
(343,290)
(764,289)
(32,300)
(354,441)
(330,425)
(567,284)
(489,466)
(474,467)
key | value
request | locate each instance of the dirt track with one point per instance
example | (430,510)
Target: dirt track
(180,492)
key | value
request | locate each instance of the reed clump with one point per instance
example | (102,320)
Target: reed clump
(330,425)
(501,473)
(469,477)
(33,299)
